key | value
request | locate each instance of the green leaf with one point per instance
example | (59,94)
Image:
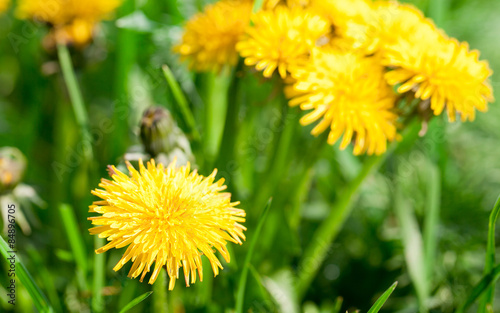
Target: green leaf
(383,298)
(39,299)
(135,302)
(240,295)
(431,223)
(181,101)
(412,241)
(481,287)
(490,256)
(74,237)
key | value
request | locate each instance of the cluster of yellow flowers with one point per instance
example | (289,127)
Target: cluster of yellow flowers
(346,60)
(72,21)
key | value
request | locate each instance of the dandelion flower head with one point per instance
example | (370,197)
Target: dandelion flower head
(354,23)
(4,5)
(349,94)
(210,37)
(72,20)
(270,4)
(167,216)
(281,38)
(439,70)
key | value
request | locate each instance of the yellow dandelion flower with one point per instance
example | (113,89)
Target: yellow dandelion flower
(354,23)
(270,4)
(349,94)
(437,69)
(398,22)
(4,5)
(167,216)
(72,20)
(281,38)
(210,37)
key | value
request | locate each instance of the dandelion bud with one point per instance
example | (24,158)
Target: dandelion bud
(161,136)
(157,128)
(12,166)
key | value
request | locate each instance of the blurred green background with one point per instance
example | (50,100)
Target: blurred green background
(120,77)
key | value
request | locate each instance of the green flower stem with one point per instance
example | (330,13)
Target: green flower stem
(437,11)
(82,120)
(317,250)
(240,294)
(126,55)
(232,124)
(431,221)
(216,101)
(160,293)
(99,276)
(279,158)
(75,95)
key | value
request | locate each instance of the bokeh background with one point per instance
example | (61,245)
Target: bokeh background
(455,165)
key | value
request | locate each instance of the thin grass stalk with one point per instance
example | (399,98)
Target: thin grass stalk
(46,279)
(412,241)
(481,288)
(36,294)
(490,257)
(240,293)
(99,276)
(76,243)
(75,95)
(431,221)
(181,102)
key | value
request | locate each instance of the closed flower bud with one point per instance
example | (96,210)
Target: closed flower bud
(161,136)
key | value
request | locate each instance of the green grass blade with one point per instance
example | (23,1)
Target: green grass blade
(338,305)
(481,288)
(75,240)
(490,256)
(181,101)
(383,298)
(39,299)
(135,302)
(412,241)
(99,276)
(45,278)
(72,85)
(240,295)
(431,222)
